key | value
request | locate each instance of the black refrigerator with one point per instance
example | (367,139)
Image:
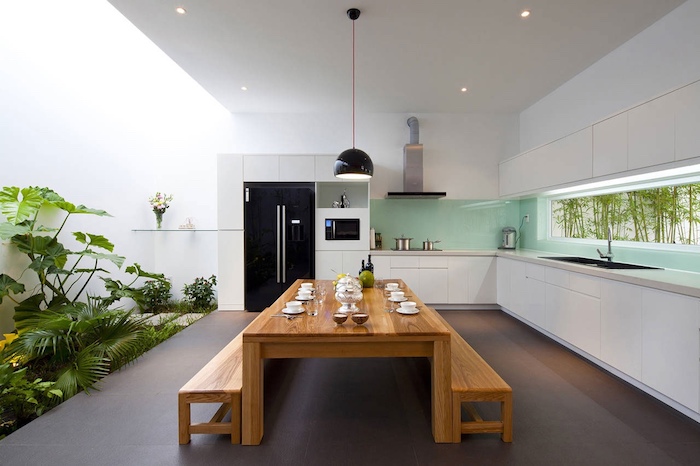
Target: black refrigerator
(279,239)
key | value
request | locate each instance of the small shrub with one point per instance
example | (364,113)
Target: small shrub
(156,295)
(200,293)
(22,400)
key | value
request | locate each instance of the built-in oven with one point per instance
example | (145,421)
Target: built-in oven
(342,229)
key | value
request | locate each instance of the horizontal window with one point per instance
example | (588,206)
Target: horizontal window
(666,214)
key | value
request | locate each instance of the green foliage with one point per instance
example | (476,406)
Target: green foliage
(21,399)
(667,214)
(200,293)
(59,325)
(83,340)
(156,295)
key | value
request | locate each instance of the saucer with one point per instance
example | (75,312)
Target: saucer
(299,298)
(398,300)
(286,310)
(401,310)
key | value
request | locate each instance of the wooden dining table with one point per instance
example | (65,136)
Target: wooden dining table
(385,334)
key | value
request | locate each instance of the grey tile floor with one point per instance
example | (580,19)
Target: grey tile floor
(363,411)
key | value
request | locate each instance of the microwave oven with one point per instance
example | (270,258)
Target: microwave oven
(339,229)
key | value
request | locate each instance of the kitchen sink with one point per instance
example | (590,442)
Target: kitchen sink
(603,264)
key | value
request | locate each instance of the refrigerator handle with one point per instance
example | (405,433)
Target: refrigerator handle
(284,244)
(278,243)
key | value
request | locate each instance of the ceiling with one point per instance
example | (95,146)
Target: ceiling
(411,55)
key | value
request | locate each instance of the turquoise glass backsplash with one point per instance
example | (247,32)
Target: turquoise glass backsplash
(534,236)
(458,224)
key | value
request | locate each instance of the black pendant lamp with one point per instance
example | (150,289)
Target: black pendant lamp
(353,164)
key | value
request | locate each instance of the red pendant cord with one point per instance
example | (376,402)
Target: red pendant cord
(353,84)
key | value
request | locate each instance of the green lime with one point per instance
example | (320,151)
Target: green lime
(367,279)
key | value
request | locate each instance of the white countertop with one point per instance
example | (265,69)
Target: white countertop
(447,252)
(671,280)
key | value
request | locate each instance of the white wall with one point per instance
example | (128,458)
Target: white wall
(461,151)
(92,109)
(661,58)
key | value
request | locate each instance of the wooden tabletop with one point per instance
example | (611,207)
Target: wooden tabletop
(374,303)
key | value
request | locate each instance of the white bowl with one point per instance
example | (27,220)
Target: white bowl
(391,286)
(408,306)
(397,295)
(307,286)
(294,305)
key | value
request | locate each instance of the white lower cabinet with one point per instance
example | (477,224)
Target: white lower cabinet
(230,277)
(671,346)
(471,280)
(652,336)
(574,317)
(330,263)
(522,285)
(621,327)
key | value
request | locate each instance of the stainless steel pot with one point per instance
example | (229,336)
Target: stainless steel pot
(403,244)
(429,245)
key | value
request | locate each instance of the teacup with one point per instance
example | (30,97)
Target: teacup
(294,306)
(397,295)
(391,286)
(307,286)
(305,294)
(408,306)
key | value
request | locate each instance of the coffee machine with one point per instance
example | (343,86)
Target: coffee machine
(508,238)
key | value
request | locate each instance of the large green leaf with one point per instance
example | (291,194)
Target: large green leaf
(79,209)
(98,241)
(115,259)
(18,210)
(27,309)
(136,269)
(9,285)
(8,230)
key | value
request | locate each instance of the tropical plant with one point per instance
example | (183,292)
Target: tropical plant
(22,400)
(200,292)
(59,325)
(156,295)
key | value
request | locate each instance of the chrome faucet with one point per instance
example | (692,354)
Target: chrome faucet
(609,256)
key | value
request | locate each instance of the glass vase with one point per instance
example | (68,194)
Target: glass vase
(159,218)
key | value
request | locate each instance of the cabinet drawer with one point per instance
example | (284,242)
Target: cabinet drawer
(584,284)
(405,261)
(435,262)
(536,272)
(557,277)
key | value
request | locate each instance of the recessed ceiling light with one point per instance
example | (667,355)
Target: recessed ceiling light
(243,88)
(525,13)
(181,10)
(464,89)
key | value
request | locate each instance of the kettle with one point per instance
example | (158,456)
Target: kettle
(508,238)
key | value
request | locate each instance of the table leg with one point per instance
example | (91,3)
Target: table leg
(252,395)
(442,392)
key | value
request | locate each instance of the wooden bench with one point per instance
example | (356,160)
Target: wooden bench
(473,380)
(219,381)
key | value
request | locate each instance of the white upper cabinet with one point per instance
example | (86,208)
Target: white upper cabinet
(651,135)
(261,168)
(562,161)
(229,171)
(324,168)
(297,168)
(688,122)
(610,145)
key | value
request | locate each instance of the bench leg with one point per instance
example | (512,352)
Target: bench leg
(183,420)
(236,418)
(507,418)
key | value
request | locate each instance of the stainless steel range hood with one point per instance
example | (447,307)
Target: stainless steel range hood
(413,169)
